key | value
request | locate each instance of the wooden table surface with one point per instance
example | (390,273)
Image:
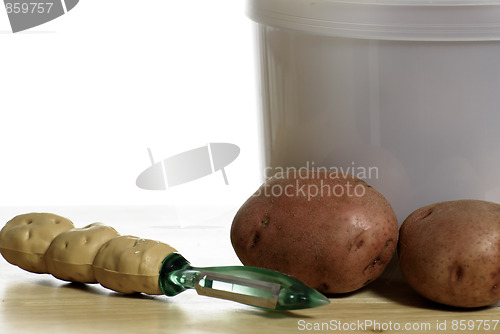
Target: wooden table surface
(33,302)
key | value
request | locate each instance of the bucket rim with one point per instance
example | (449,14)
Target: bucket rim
(410,20)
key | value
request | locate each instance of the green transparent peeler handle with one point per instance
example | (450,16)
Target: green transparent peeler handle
(250,285)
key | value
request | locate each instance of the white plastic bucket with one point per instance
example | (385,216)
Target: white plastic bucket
(405,94)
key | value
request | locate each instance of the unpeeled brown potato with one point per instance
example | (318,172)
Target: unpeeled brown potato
(449,252)
(333,232)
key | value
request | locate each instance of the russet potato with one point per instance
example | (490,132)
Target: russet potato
(449,252)
(333,232)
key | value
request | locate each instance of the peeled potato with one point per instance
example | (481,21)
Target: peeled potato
(129,264)
(449,252)
(25,239)
(70,255)
(333,232)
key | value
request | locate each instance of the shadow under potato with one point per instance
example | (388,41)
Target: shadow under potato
(392,287)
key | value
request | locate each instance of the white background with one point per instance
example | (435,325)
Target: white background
(82,98)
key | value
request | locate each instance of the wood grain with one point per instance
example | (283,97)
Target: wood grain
(39,302)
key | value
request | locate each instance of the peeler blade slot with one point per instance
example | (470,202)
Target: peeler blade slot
(238,289)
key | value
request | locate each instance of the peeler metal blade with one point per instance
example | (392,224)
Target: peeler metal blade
(243,290)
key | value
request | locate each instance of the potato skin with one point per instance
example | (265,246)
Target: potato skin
(449,252)
(332,241)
